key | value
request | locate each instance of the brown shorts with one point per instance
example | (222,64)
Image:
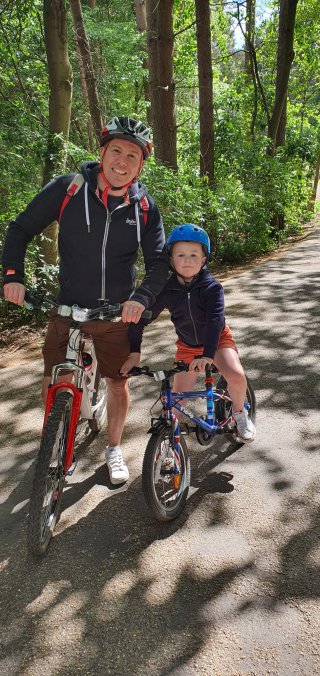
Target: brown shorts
(187,353)
(110,341)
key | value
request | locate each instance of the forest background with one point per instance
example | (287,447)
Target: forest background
(231,91)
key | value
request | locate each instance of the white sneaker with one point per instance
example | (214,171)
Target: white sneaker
(118,470)
(246,430)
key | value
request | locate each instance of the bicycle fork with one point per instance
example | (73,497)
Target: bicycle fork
(175,427)
(75,412)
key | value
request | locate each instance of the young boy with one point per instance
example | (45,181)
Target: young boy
(195,301)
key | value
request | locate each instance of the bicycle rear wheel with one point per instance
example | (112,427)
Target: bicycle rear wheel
(223,409)
(99,399)
(250,400)
(46,496)
(164,492)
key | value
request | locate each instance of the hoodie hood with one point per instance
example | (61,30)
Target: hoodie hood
(90,172)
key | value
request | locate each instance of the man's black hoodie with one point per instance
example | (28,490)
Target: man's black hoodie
(97,247)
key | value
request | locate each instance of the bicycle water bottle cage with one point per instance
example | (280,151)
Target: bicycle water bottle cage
(80,314)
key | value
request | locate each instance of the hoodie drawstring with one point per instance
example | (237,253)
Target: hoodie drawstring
(86,205)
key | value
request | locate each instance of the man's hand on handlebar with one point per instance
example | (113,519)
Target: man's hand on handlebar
(132,311)
(132,361)
(14,292)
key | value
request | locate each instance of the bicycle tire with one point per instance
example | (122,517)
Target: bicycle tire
(99,396)
(48,482)
(164,504)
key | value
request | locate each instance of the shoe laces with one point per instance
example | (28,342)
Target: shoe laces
(115,460)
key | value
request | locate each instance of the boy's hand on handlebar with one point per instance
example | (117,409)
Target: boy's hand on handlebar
(132,361)
(200,364)
(132,311)
(14,292)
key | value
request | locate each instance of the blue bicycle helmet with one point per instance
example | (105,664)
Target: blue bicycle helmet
(188,232)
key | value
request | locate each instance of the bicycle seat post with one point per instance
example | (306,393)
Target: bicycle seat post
(209,387)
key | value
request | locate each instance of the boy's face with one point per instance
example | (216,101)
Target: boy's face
(187,258)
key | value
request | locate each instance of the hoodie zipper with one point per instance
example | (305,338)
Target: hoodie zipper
(104,246)
(191,317)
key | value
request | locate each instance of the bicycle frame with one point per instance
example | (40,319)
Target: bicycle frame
(170,400)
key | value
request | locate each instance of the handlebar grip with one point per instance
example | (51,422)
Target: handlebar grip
(135,371)
(147,314)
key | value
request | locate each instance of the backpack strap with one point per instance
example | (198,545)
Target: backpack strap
(144,205)
(75,185)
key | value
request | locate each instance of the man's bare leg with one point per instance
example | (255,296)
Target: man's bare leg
(118,405)
(46,381)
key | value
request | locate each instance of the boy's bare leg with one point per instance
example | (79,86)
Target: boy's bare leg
(228,363)
(184,382)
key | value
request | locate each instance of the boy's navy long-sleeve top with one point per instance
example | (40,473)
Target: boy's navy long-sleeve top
(196,309)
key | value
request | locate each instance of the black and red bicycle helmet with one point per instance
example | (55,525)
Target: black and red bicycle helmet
(130,130)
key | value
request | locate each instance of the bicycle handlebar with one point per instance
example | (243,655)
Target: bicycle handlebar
(106,311)
(158,375)
(163,374)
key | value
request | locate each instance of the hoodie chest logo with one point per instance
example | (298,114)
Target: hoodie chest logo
(131,221)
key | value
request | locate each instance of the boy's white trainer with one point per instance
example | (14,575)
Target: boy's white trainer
(117,467)
(246,430)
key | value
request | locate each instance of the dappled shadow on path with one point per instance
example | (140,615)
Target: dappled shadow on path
(122,594)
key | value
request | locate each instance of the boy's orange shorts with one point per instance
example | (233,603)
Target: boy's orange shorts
(187,353)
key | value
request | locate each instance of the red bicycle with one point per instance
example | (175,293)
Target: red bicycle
(82,395)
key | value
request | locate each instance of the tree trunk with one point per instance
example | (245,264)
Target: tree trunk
(315,185)
(60,86)
(285,56)
(82,41)
(250,36)
(141,21)
(249,60)
(281,131)
(168,128)
(85,97)
(152,26)
(205,90)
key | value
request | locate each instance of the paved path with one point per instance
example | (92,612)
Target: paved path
(232,586)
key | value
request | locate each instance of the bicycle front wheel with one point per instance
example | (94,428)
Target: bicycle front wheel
(165,492)
(46,496)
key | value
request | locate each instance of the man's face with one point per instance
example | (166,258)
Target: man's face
(121,161)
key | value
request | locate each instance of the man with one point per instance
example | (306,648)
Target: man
(103,213)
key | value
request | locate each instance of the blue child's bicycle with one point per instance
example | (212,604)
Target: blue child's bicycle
(166,464)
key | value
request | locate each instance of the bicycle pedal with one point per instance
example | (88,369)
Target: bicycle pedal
(72,468)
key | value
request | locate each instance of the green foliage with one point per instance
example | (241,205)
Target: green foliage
(250,187)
